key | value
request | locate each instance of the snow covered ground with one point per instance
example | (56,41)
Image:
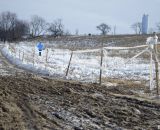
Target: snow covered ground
(85,65)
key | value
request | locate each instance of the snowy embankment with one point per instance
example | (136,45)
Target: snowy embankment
(85,65)
(19,63)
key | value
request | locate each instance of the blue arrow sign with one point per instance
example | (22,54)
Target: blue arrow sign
(40,46)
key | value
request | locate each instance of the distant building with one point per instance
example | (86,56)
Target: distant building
(145,24)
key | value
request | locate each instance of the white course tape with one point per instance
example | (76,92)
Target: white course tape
(85,51)
(109,48)
(137,55)
(124,48)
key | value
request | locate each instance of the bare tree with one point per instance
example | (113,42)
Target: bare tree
(8,20)
(137,27)
(37,25)
(11,28)
(7,24)
(21,29)
(134,27)
(104,28)
(56,28)
(139,24)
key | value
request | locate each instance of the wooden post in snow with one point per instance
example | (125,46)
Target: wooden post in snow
(156,69)
(69,64)
(151,71)
(46,58)
(33,56)
(157,77)
(156,49)
(27,59)
(101,63)
(19,54)
(23,57)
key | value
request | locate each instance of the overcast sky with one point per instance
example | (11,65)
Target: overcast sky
(85,15)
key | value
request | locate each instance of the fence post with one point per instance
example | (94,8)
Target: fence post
(156,48)
(69,64)
(46,58)
(19,54)
(33,55)
(101,63)
(151,71)
(156,69)
(23,57)
(27,59)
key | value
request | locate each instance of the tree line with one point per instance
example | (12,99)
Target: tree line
(12,28)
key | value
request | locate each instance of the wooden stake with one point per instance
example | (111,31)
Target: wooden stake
(19,54)
(157,77)
(69,64)
(46,58)
(156,49)
(101,63)
(151,72)
(33,55)
(156,70)
(23,57)
(46,55)
(27,59)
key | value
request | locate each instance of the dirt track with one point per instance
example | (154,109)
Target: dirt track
(35,103)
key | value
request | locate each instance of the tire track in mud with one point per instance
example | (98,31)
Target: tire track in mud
(29,115)
(32,120)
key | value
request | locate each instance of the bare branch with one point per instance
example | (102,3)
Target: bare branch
(56,28)
(37,25)
(137,27)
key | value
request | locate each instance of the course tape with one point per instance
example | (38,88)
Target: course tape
(124,48)
(110,48)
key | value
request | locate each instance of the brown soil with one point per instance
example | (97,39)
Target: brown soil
(38,103)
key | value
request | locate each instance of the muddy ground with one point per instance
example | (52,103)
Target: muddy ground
(29,102)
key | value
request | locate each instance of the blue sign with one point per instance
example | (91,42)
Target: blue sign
(40,46)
